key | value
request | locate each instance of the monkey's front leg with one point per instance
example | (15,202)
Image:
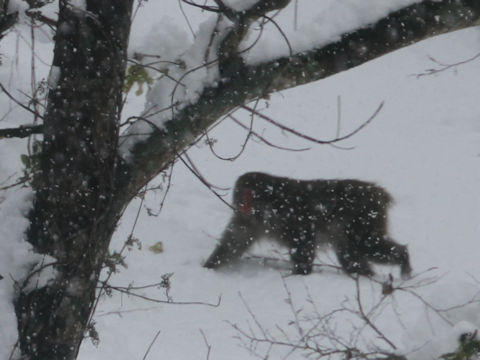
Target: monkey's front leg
(387,251)
(302,253)
(236,239)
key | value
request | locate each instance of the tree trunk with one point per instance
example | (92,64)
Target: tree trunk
(74,213)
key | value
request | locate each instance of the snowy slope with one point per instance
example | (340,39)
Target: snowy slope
(423,147)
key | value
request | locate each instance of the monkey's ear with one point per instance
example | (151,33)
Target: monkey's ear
(246,202)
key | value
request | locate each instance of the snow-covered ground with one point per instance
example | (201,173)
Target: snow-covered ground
(423,147)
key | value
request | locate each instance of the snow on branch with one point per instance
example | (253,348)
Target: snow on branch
(241,82)
(399,29)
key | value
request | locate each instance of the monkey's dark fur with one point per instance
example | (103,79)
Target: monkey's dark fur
(351,215)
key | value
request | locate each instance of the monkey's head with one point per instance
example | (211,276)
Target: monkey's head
(252,194)
(246,201)
(246,194)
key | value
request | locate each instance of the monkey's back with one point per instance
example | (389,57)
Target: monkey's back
(283,189)
(285,203)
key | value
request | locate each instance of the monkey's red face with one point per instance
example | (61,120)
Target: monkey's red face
(246,202)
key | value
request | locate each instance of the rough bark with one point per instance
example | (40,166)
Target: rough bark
(7,20)
(73,217)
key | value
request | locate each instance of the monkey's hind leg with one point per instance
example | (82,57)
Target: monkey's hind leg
(387,251)
(234,242)
(351,259)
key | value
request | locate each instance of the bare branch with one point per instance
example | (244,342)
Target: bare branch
(186,18)
(443,67)
(19,103)
(151,344)
(21,131)
(310,138)
(366,318)
(204,182)
(254,81)
(207,344)
(316,335)
(262,139)
(290,49)
(127,291)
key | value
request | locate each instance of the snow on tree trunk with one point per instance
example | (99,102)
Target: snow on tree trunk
(74,215)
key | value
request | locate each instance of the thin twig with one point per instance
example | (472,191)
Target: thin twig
(182,10)
(312,139)
(19,103)
(244,144)
(204,182)
(124,290)
(110,271)
(290,49)
(265,141)
(367,319)
(151,344)
(209,347)
(444,67)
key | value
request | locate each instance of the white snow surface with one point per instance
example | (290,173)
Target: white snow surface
(423,147)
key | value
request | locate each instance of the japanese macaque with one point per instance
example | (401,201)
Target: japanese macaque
(351,215)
